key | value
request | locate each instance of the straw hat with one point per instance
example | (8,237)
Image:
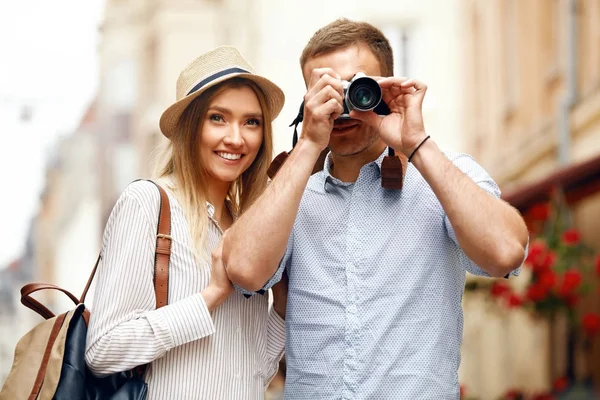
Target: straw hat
(210,69)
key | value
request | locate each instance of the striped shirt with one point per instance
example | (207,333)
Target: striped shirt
(231,353)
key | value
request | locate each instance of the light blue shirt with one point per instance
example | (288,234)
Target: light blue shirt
(376,279)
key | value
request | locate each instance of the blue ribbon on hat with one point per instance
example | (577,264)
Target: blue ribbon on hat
(216,75)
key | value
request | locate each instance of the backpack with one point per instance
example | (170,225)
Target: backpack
(49,360)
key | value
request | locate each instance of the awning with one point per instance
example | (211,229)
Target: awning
(576,180)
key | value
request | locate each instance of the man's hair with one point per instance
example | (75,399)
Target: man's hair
(342,33)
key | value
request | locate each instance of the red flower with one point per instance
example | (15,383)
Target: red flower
(543,262)
(463,391)
(547,279)
(514,301)
(499,289)
(548,261)
(540,212)
(536,250)
(560,384)
(536,293)
(598,265)
(591,324)
(571,281)
(571,237)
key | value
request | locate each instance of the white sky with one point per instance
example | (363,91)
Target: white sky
(48,61)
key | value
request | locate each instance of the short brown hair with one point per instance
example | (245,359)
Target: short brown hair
(342,33)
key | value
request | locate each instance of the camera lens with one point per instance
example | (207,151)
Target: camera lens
(364,94)
(363,97)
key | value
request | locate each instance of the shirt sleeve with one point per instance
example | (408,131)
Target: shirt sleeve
(278,273)
(126,329)
(275,344)
(474,171)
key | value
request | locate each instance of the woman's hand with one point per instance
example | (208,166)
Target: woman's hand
(220,287)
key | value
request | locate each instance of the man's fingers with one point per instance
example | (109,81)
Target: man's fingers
(394,93)
(326,94)
(333,108)
(318,73)
(418,85)
(389,81)
(324,82)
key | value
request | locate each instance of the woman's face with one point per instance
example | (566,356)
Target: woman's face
(231,134)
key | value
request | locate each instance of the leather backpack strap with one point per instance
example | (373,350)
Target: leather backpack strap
(89,282)
(162,256)
(163,250)
(162,253)
(33,304)
(39,379)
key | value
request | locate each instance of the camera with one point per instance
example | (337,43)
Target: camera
(362,93)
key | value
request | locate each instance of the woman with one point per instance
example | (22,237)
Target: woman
(209,342)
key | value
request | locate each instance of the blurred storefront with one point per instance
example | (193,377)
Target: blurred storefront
(533,121)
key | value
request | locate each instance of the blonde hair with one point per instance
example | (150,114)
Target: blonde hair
(179,162)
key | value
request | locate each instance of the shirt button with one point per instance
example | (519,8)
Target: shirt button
(352,308)
(239,329)
(351,268)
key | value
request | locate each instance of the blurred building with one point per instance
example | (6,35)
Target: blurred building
(15,320)
(533,121)
(68,226)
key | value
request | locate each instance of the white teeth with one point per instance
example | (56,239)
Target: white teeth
(229,156)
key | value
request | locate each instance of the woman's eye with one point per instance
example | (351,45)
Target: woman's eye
(254,121)
(216,117)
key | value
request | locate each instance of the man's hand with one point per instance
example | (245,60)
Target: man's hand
(403,128)
(323,103)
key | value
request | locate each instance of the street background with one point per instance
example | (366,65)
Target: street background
(514,83)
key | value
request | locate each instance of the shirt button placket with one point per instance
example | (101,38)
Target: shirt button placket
(350,378)
(352,326)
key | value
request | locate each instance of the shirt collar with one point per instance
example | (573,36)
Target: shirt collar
(169,182)
(328,178)
(211,210)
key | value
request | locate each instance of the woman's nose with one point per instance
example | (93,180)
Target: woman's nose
(234,136)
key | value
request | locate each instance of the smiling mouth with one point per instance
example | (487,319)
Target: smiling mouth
(229,156)
(345,126)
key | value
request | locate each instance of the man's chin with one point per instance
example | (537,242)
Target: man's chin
(346,151)
(347,147)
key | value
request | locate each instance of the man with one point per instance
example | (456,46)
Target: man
(376,276)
